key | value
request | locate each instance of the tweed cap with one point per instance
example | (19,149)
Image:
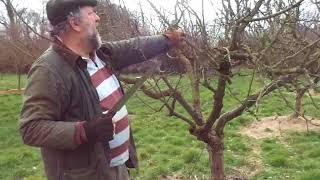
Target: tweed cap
(58,10)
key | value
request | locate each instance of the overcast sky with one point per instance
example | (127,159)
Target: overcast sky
(168,5)
(36,5)
(132,4)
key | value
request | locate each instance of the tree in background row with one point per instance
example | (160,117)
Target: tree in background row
(20,46)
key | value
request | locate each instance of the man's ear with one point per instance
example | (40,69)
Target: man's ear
(75,24)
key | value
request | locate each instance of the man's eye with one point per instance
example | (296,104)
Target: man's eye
(92,12)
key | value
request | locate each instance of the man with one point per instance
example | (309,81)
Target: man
(72,85)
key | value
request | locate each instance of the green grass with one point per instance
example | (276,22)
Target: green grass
(296,156)
(8,81)
(165,146)
(17,161)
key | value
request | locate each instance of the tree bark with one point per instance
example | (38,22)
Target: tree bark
(216,160)
(19,80)
(298,102)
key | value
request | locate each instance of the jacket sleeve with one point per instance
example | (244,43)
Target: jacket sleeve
(135,50)
(40,121)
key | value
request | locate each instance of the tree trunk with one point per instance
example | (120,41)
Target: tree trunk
(19,77)
(298,102)
(19,81)
(216,160)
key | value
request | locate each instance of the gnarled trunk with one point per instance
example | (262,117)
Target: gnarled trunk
(216,159)
(298,102)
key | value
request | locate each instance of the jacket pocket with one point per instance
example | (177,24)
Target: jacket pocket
(81,174)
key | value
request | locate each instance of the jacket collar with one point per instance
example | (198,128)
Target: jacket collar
(74,59)
(64,51)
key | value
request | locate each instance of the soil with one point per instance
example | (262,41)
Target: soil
(12,91)
(270,127)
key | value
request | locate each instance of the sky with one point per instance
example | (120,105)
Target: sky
(133,5)
(167,5)
(36,5)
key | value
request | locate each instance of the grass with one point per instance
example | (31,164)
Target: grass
(296,156)
(165,147)
(16,160)
(8,81)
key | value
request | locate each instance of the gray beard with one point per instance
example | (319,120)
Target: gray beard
(94,41)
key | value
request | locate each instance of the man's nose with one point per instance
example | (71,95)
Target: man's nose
(97,18)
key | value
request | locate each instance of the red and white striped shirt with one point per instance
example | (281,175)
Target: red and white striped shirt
(109,92)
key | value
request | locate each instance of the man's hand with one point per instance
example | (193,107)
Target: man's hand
(99,129)
(176,37)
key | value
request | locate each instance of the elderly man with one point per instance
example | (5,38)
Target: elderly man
(70,87)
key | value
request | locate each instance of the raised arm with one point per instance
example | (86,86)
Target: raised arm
(135,50)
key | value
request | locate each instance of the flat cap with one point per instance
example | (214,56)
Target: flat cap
(58,10)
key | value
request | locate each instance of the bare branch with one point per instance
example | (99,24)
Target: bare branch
(276,14)
(297,53)
(250,101)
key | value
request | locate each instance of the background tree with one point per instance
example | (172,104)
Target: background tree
(20,45)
